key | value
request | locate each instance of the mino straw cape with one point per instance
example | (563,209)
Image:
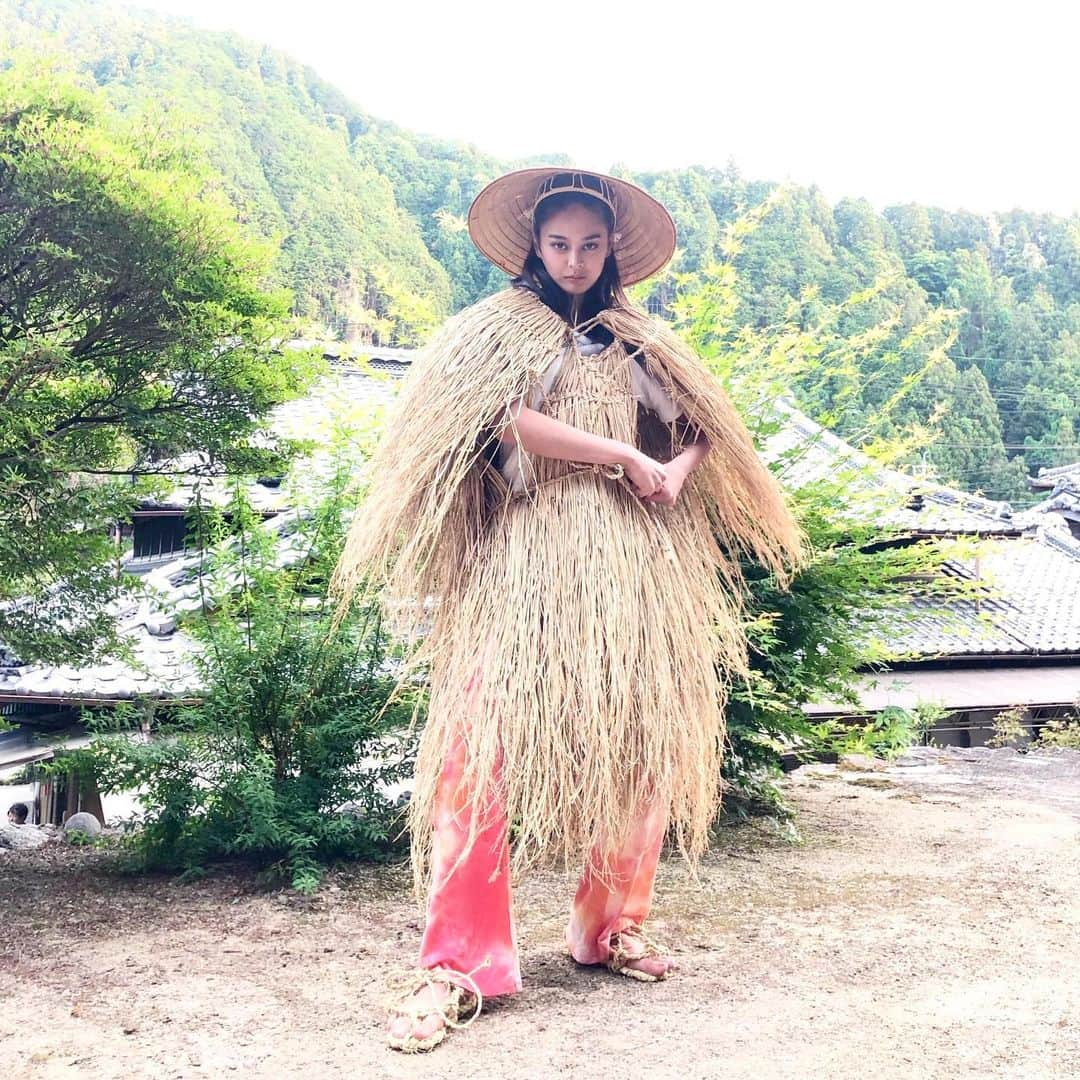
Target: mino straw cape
(580,639)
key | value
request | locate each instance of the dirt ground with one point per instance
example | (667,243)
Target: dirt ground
(923,922)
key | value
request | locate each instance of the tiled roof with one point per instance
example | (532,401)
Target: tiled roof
(807,452)
(1059,477)
(1031,606)
(349,393)
(357,355)
(163,661)
(214,491)
(347,388)
(162,667)
(1063,502)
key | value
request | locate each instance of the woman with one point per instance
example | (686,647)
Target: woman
(574,489)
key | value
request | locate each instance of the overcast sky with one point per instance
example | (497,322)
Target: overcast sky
(952,103)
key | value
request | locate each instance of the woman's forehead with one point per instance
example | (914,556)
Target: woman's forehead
(575,220)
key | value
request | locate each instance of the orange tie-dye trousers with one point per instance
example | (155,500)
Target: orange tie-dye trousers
(470,919)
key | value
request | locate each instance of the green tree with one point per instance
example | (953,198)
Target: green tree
(371,217)
(279,138)
(811,641)
(134,328)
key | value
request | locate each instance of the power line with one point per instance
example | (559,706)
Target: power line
(1010,313)
(997,359)
(1009,396)
(1074,447)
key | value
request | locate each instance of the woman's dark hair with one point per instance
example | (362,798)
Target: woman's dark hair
(607,291)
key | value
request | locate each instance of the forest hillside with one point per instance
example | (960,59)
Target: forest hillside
(369,220)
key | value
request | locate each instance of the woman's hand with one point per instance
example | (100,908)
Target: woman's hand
(668,492)
(677,470)
(548,437)
(646,475)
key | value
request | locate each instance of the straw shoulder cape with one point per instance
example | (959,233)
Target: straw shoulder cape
(581,640)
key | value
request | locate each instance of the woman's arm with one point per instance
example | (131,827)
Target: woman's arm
(548,437)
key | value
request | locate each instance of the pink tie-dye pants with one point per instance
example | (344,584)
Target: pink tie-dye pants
(470,920)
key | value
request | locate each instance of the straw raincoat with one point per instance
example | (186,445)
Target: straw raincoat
(582,640)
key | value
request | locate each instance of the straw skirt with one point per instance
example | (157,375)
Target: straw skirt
(584,659)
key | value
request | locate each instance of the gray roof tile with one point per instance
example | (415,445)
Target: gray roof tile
(1059,478)
(1031,605)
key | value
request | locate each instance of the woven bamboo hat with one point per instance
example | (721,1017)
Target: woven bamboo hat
(501,217)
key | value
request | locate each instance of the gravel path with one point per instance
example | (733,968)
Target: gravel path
(921,920)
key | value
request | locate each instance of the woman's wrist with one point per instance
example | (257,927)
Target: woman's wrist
(679,466)
(691,457)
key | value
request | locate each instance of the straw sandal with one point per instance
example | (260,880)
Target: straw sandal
(620,956)
(461,1001)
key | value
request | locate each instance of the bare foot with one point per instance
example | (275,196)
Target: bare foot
(419,1018)
(418,1022)
(659,967)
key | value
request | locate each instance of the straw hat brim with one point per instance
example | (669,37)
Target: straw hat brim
(500,223)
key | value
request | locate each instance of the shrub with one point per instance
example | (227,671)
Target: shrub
(1062,733)
(294,725)
(854,593)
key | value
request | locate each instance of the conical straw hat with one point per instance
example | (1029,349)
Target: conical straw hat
(500,219)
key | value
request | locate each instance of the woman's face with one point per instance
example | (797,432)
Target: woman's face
(573,244)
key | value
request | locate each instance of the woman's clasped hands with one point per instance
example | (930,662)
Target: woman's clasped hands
(653,481)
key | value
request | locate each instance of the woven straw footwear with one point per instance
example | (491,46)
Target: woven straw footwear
(461,1007)
(641,946)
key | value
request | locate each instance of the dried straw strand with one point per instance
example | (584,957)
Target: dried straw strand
(583,641)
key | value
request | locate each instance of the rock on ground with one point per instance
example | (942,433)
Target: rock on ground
(84,823)
(22,837)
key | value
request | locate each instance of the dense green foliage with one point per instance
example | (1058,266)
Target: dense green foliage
(134,327)
(278,135)
(370,221)
(285,757)
(1003,394)
(436,181)
(810,642)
